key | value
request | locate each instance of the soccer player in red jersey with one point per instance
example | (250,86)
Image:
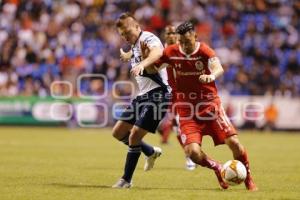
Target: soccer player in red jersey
(198,103)
(171,119)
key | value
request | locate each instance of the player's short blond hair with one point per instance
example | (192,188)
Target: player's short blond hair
(122,17)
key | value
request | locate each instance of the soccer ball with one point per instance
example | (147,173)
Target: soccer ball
(234,172)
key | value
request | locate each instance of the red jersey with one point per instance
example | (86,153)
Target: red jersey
(188,68)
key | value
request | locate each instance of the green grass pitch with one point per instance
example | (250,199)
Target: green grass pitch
(58,163)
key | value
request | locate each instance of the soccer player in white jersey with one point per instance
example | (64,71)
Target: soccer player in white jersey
(150,105)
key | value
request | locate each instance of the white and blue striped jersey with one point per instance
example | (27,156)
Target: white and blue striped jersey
(145,84)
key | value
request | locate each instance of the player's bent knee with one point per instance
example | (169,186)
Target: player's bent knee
(234,143)
(192,152)
(195,155)
(134,139)
(136,136)
(121,130)
(116,133)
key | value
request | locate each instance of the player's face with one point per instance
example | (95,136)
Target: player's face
(188,40)
(129,31)
(127,34)
(170,35)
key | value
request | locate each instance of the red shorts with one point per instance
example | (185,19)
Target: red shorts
(219,128)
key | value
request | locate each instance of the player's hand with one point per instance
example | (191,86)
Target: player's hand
(125,56)
(204,78)
(145,50)
(137,70)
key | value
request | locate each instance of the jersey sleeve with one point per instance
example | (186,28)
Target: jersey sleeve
(153,41)
(163,61)
(209,52)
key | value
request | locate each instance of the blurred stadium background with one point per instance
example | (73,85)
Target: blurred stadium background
(59,66)
(58,57)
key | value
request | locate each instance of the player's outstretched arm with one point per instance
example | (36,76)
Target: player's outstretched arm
(216,70)
(154,54)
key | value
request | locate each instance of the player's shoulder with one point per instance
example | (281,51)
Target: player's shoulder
(204,46)
(171,49)
(206,49)
(146,35)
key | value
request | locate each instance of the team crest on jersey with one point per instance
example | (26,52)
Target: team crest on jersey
(199,65)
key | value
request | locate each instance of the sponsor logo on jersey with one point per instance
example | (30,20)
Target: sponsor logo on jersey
(181,73)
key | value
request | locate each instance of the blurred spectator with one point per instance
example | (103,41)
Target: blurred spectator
(271,116)
(42,41)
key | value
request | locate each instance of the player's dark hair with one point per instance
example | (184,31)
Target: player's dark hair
(184,27)
(122,17)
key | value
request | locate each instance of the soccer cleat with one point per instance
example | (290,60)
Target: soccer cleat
(189,164)
(151,159)
(222,183)
(122,184)
(250,185)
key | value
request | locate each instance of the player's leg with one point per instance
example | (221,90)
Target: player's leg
(149,121)
(153,111)
(224,132)
(136,135)
(189,164)
(146,122)
(193,150)
(133,154)
(239,153)
(121,132)
(125,122)
(165,129)
(191,138)
(122,128)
